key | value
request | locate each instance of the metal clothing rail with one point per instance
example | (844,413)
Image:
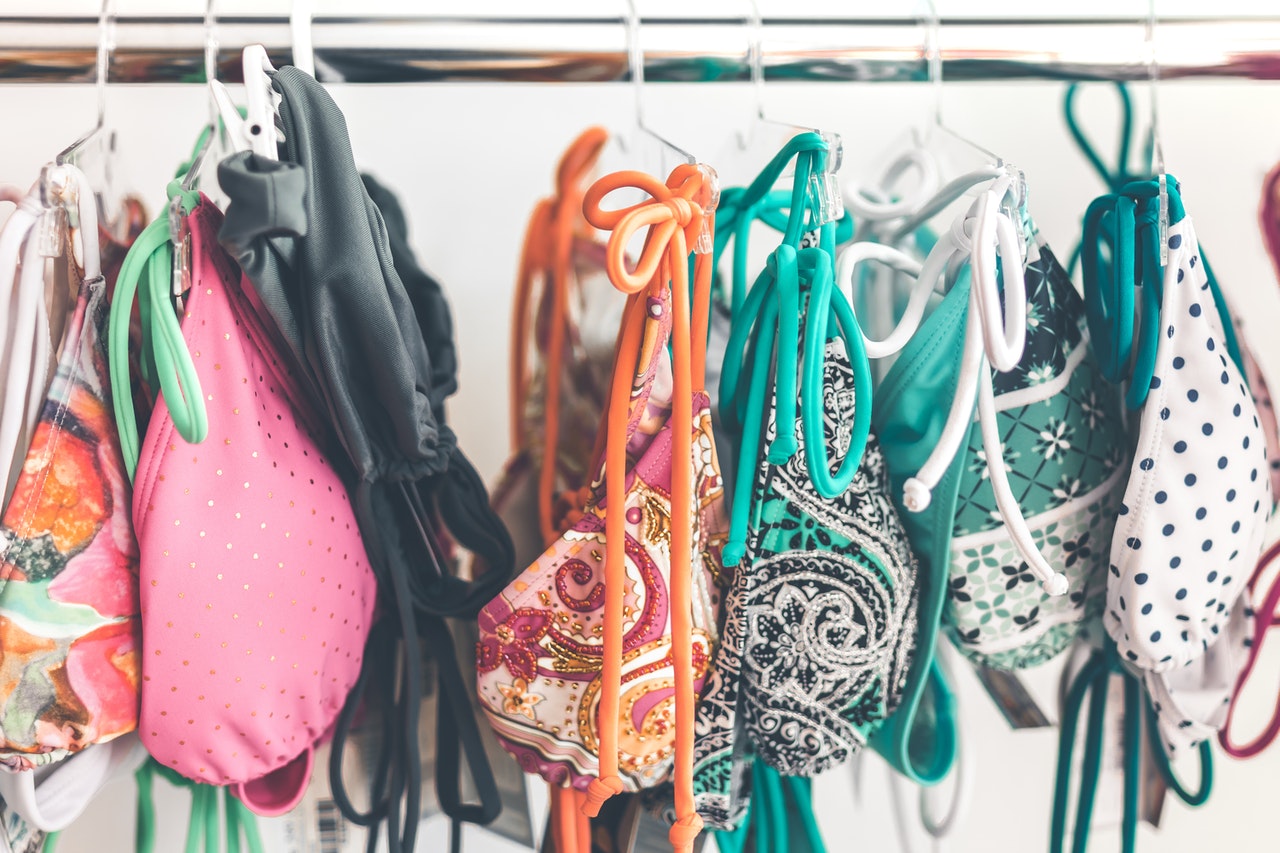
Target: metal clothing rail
(419,48)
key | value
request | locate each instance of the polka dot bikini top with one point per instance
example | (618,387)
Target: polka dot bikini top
(257,596)
(1193,518)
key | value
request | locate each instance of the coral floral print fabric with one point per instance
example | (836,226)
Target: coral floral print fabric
(68,566)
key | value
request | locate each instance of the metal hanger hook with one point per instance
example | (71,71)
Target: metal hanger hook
(635,58)
(755,54)
(106,47)
(1153,76)
(933,55)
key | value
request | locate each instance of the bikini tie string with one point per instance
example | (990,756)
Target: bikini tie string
(672,220)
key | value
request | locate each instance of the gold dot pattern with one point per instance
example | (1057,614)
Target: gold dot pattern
(236,539)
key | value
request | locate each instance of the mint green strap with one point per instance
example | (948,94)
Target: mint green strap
(164,354)
(172,361)
(202,828)
(199,819)
(51,842)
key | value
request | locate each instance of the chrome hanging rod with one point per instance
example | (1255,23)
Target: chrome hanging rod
(422,48)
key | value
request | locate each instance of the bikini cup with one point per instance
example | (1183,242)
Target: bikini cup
(270,550)
(1193,517)
(68,559)
(586,627)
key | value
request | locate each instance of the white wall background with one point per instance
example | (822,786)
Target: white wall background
(470,161)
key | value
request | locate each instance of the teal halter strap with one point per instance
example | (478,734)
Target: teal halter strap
(1114,180)
(1128,222)
(1093,680)
(766,334)
(779,819)
(1205,754)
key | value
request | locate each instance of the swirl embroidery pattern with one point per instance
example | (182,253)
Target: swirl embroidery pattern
(820,621)
(540,646)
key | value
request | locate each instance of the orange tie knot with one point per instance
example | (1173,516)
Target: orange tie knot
(598,792)
(681,210)
(684,832)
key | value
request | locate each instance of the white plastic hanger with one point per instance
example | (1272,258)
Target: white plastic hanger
(304,53)
(256,131)
(25,345)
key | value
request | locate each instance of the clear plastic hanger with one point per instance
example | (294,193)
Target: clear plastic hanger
(1155,148)
(630,143)
(97,135)
(927,153)
(635,69)
(106,44)
(825,186)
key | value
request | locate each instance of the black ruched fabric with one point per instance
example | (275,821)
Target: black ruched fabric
(373,334)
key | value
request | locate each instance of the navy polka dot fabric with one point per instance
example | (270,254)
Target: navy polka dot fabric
(1195,509)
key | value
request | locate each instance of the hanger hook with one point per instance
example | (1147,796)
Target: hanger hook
(106,47)
(1153,76)
(933,56)
(755,54)
(210,41)
(304,53)
(102,67)
(635,58)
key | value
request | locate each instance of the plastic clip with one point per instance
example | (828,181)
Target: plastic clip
(50,230)
(706,242)
(1162,221)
